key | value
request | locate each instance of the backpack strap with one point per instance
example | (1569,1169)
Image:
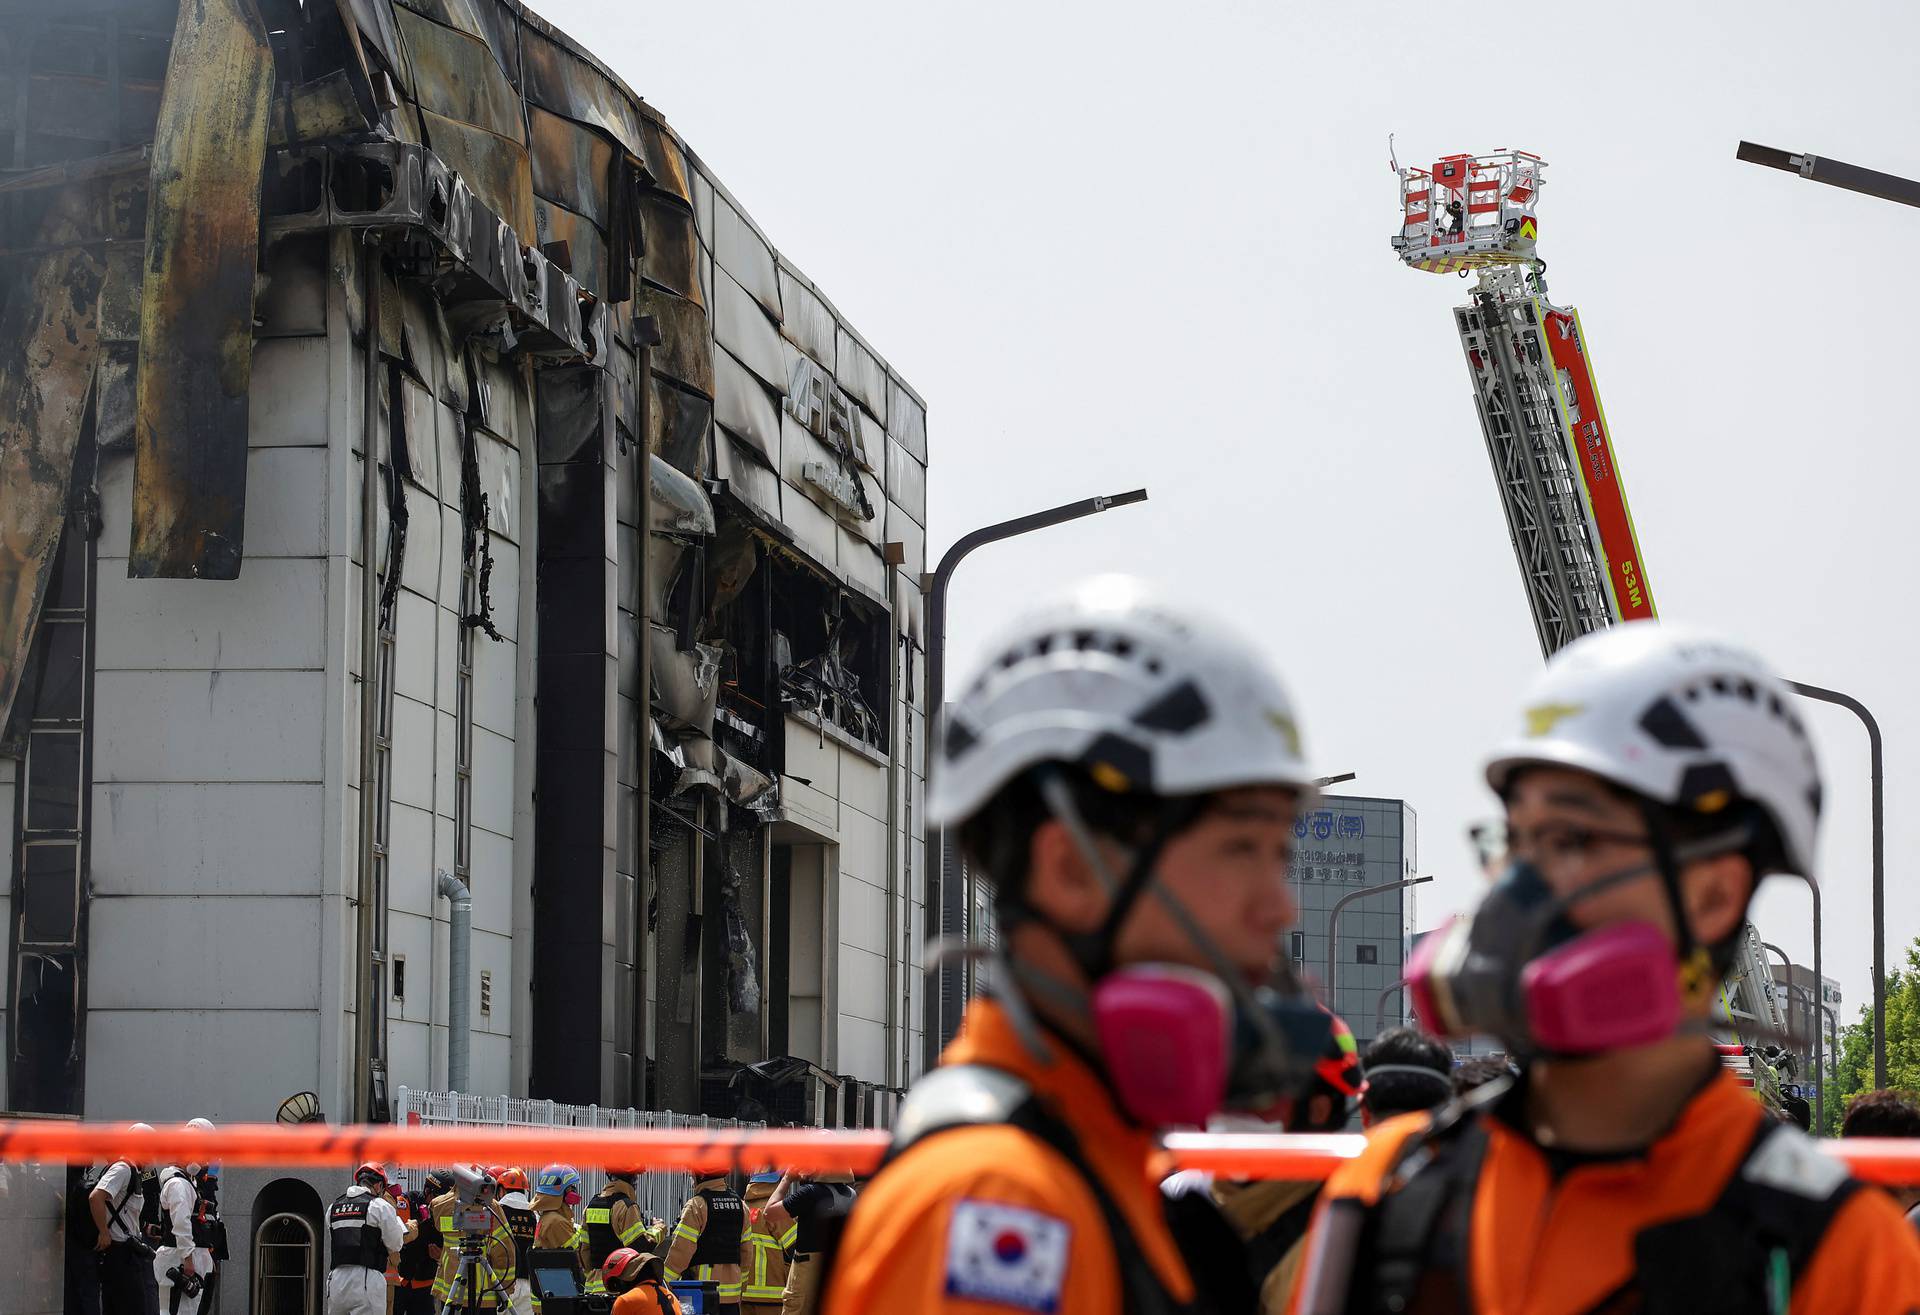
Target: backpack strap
(1419,1231)
(1746,1250)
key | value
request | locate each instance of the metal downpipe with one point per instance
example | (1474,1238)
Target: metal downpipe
(459,979)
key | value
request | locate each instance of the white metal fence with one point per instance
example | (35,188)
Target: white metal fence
(659,1194)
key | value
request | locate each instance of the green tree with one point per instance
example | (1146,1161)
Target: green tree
(1855,1067)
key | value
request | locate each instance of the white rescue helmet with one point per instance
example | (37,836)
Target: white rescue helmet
(1678,715)
(198,1125)
(1141,695)
(137,1127)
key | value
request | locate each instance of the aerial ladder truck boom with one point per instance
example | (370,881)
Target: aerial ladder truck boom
(1546,434)
(1533,386)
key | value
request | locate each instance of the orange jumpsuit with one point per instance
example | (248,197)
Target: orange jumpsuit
(646,1299)
(1541,1242)
(984,1220)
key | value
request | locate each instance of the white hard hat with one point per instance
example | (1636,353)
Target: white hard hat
(1679,716)
(136,1127)
(1142,695)
(200,1125)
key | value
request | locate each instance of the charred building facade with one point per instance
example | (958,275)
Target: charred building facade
(421,481)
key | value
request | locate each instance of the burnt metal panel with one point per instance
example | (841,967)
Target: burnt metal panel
(568,83)
(743,406)
(666,161)
(861,373)
(685,353)
(495,167)
(746,478)
(587,259)
(571,164)
(196,311)
(457,77)
(907,417)
(743,253)
(672,250)
(742,327)
(807,321)
(49,342)
(680,422)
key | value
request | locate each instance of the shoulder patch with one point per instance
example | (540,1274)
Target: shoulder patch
(1788,1161)
(1007,1255)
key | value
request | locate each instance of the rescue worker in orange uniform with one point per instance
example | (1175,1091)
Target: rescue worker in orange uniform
(1656,775)
(635,1278)
(1128,777)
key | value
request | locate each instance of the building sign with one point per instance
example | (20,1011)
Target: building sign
(1328,848)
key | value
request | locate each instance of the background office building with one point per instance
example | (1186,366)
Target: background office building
(1345,851)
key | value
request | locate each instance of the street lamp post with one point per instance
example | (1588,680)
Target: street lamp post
(1876,779)
(1813,1025)
(1380,1006)
(1333,929)
(934,586)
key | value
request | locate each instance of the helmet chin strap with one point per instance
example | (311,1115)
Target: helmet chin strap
(1141,879)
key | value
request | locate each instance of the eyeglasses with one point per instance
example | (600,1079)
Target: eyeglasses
(1558,845)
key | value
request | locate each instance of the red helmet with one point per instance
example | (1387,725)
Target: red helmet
(625,1267)
(510,1178)
(371,1175)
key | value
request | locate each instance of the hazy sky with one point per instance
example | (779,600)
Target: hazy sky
(1126,244)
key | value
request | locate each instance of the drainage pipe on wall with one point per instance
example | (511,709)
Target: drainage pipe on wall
(459,978)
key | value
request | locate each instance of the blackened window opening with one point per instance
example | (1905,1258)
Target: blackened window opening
(50,735)
(831,649)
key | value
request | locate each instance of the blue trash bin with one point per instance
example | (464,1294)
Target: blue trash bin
(696,1298)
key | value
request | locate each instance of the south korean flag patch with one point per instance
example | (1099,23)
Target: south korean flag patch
(1007,1255)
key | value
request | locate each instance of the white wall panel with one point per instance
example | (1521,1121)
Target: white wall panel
(287,400)
(190,838)
(136,1067)
(273,616)
(863,914)
(862,983)
(167,952)
(207,726)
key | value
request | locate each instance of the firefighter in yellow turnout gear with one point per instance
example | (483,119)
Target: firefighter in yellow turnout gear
(707,1239)
(493,1271)
(763,1252)
(612,1221)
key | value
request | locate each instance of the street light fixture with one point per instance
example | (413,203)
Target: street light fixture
(1902,191)
(1813,1023)
(1876,780)
(934,586)
(1333,928)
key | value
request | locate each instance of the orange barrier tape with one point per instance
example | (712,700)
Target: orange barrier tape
(1892,1161)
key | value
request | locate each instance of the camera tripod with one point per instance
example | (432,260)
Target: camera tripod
(473,1248)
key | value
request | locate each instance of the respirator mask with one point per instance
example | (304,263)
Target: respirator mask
(1521,970)
(1179,1044)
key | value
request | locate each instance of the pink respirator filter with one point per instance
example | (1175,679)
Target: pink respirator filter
(1163,1032)
(1607,989)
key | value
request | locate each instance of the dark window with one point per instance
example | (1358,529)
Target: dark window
(1299,946)
(45,1068)
(399,977)
(49,904)
(53,781)
(1364,953)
